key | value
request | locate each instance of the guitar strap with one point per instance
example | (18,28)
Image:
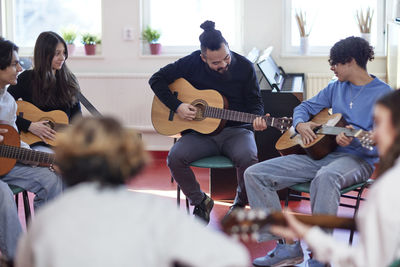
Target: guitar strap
(88,105)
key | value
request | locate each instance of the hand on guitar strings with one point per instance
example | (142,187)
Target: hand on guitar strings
(294,230)
(259,123)
(1,132)
(305,129)
(342,139)
(186,111)
(43,131)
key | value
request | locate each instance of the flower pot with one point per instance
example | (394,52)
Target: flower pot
(90,49)
(71,49)
(155,49)
(366,37)
(304,45)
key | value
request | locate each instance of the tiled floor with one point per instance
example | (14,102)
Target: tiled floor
(155,179)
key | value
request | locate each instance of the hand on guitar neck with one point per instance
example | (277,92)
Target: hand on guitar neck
(307,132)
(342,139)
(42,130)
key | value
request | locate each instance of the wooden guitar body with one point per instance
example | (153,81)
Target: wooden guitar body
(56,118)
(169,123)
(11,138)
(211,114)
(10,152)
(290,142)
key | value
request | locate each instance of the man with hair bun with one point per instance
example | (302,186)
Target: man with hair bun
(214,66)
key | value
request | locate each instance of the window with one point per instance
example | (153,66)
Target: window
(179,22)
(329,21)
(26,19)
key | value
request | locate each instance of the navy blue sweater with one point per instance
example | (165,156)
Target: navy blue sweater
(240,88)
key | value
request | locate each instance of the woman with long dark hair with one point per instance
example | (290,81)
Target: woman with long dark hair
(378,220)
(50,85)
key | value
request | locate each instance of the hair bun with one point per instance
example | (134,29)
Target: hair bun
(208,25)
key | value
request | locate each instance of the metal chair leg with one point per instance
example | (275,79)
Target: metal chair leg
(27,207)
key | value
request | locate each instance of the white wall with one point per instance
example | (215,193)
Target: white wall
(263,26)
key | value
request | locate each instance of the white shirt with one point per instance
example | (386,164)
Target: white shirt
(8,111)
(378,223)
(88,226)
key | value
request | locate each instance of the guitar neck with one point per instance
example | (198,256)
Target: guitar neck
(325,221)
(232,115)
(25,154)
(332,130)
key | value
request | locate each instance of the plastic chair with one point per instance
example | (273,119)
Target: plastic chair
(396,263)
(359,188)
(213,162)
(27,208)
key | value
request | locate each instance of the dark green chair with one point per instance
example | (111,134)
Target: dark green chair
(213,162)
(305,188)
(27,208)
(396,263)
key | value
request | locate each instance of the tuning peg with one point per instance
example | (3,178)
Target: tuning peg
(245,228)
(235,229)
(241,215)
(261,214)
(251,215)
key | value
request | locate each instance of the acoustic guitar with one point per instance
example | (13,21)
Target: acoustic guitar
(331,125)
(57,119)
(244,223)
(211,112)
(10,152)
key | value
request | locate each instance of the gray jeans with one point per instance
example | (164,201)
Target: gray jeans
(236,143)
(39,180)
(327,176)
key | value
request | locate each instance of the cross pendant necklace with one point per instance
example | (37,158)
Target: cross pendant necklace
(353,98)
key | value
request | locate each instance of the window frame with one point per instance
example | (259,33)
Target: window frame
(291,50)
(7,23)
(236,45)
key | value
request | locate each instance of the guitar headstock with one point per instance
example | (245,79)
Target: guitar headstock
(365,138)
(244,224)
(282,123)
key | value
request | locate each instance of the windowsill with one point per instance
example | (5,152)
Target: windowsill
(167,56)
(94,57)
(317,56)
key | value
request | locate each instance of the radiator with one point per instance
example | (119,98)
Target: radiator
(315,82)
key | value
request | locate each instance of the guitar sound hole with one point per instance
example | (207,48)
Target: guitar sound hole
(49,123)
(200,105)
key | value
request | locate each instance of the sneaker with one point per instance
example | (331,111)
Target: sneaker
(203,210)
(281,255)
(315,263)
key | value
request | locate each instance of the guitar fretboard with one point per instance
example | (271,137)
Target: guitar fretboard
(332,130)
(226,114)
(20,153)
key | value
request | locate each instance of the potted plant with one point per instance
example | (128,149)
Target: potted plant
(152,36)
(89,40)
(69,36)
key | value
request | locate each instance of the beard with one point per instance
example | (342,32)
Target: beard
(225,74)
